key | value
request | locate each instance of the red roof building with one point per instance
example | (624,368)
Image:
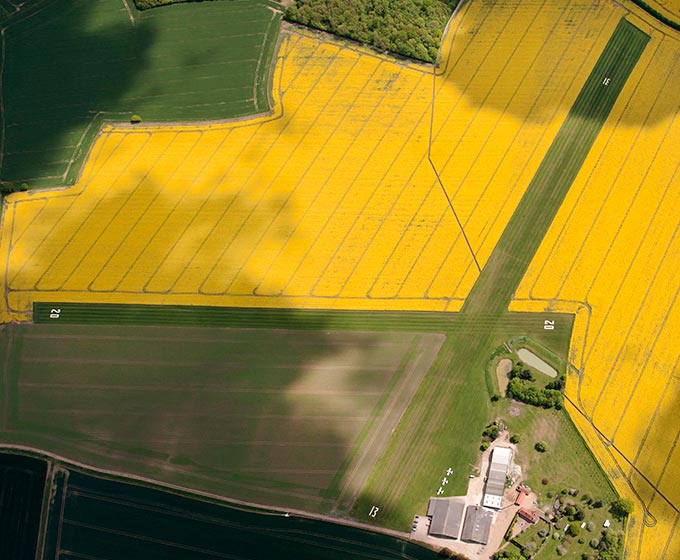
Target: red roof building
(523,491)
(530,516)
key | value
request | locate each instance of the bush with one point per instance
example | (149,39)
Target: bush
(597,504)
(545,482)
(514,438)
(522,391)
(484,446)
(622,507)
(540,447)
(492,432)
(574,529)
(9,187)
(561,550)
(495,397)
(594,543)
(134,119)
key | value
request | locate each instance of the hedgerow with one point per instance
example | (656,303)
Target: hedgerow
(146,4)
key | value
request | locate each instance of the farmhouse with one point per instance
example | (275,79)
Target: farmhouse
(528,515)
(447,516)
(477,525)
(495,483)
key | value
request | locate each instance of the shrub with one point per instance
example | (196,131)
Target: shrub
(514,438)
(561,550)
(594,543)
(590,526)
(545,482)
(495,397)
(557,384)
(597,503)
(522,391)
(134,119)
(540,447)
(574,529)
(622,507)
(484,446)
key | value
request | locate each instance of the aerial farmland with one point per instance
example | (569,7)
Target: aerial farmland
(254,263)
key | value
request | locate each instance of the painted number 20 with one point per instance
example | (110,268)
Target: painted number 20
(548,325)
(54,313)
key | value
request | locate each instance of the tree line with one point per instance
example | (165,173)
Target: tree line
(412,28)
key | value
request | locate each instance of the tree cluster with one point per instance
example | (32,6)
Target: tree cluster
(9,187)
(530,394)
(146,4)
(412,28)
(608,547)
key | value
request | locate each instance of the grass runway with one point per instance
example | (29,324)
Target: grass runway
(497,136)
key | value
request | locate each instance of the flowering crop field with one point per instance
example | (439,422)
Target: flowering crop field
(330,203)
(613,251)
(378,184)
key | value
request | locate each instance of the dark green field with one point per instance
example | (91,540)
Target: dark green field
(144,400)
(196,61)
(102,519)
(22,481)
(281,417)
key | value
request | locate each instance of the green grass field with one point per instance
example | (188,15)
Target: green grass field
(447,413)
(282,417)
(195,61)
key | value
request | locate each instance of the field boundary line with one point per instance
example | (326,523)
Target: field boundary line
(331,173)
(600,209)
(609,445)
(2,101)
(207,278)
(111,187)
(263,46)
(309,164)
(439,179)
(127,9)
(519,132)
(191,493)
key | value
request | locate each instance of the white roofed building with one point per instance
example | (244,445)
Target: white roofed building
(498,472)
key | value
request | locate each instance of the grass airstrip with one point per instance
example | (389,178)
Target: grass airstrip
(331,203)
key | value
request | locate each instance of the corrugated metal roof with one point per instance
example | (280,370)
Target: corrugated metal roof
(477,525)
(447,516)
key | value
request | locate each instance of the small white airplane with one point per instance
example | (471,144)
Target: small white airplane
(449,472)
(440,491)
(445,481)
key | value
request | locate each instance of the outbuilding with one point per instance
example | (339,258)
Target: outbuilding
(447,516)
(477,525)
(498,472)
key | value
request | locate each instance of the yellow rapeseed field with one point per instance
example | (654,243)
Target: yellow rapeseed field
(329,203)
(613,251)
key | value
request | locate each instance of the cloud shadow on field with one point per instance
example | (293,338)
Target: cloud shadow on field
(501,68)
(63,65)
(182,404)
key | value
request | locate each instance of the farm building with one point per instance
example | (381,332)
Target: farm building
(495,482)
(477,525)
(528,515)
(523,492)
(447,516)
